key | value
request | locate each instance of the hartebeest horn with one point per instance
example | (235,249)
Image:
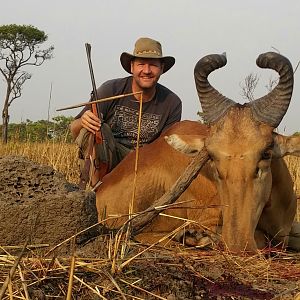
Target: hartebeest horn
(214,104)
(271,108)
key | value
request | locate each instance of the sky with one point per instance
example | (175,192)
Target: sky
(187,30)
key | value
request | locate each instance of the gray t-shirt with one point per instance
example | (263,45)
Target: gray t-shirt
(122,114)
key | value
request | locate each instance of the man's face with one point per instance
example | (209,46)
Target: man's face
(146,72)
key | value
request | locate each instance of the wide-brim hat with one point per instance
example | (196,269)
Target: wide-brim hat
(146,48)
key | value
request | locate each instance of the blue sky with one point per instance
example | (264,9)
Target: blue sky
(187,30)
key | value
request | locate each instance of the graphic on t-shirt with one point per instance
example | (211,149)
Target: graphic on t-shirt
(124,124)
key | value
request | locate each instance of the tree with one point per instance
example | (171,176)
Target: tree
(60,128)
(19,47)
(249,86)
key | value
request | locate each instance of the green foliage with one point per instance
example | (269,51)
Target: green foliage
(42,130)
(19,46)
(17,34)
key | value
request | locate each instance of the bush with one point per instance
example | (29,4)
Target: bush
(42,130)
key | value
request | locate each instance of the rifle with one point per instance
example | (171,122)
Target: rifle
(94,166)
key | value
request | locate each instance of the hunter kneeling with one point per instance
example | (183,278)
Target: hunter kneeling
(116,121)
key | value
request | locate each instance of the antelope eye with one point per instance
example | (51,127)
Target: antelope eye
(266,155)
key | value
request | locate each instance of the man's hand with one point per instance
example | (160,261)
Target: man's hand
(90,122)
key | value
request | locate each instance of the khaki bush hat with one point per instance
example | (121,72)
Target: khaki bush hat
(146,48)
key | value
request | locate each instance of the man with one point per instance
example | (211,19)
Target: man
(160,109)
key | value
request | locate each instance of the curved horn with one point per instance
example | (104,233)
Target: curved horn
(214,104)
(272,107)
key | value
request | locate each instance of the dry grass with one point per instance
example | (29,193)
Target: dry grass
(154,274)
(293,164)
(60,156)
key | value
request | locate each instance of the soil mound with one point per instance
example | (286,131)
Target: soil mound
(37,203)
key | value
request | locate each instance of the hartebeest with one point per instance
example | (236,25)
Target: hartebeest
(246,178)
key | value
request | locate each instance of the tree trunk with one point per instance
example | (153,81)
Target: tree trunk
(4,125)
(5,116)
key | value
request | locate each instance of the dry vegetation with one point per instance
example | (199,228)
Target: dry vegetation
(152,272)
(294,167)
(141,271)
(60,156)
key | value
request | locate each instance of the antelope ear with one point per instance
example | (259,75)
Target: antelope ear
(286,145)
(190,145)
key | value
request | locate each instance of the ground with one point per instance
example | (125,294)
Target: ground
(40,208)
